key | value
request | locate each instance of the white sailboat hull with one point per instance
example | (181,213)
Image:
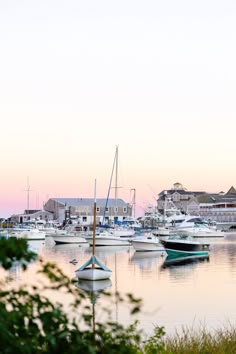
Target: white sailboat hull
(93,274)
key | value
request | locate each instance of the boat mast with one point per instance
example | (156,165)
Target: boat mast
(94,219)
(116,181)
(28,190)
(133,200)
(108,193)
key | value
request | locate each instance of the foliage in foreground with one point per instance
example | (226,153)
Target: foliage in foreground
(31,323)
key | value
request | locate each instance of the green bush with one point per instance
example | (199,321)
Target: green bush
(31,323)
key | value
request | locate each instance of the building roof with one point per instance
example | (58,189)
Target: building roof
(232,190)
(90,202)
(179,191)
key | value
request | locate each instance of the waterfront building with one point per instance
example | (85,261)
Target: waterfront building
(81,209)
(31,216)
(219,207)
(184,200)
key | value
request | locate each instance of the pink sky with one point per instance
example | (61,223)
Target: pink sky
(77,78)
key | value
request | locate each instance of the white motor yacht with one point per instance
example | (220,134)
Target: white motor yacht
(68,238)
(197,227)
(148,242)
(106,238)
(33,234)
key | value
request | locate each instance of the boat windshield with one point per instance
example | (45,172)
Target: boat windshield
(179,237)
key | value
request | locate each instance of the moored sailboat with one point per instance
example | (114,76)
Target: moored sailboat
(93,269)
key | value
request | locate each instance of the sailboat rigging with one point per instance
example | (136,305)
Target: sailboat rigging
(115,165)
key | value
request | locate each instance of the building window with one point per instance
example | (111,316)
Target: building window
(98,209)
(116,210)
(125,210)
(84,219)
(107,209)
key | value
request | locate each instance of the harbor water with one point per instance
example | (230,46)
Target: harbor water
(192,294)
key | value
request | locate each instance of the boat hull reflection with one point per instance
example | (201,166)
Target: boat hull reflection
(182,260)
(94,286)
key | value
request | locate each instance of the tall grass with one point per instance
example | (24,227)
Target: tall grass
(202,341)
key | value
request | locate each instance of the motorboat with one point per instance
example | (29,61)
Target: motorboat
(197,227)
(161,231)
(107,238)
(202,231)
(68,238)
(30,234)
(123,231)
(147,242)
(179,245)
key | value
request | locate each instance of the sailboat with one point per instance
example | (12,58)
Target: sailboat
(93,269)
(117,236)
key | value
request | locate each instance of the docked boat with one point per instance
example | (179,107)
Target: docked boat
(197,227)
(123,231)
(202,231)
(161,231)
(148,242)
(179,245)
(68,238)
(106,238)
(30,234)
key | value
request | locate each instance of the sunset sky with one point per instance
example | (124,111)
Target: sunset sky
(157,78)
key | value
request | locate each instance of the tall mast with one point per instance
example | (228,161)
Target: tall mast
(94,218)
(28,190)
(133,200)
(116,180)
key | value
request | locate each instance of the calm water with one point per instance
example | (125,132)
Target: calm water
(193,294)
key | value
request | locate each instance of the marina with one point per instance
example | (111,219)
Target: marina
(175,294)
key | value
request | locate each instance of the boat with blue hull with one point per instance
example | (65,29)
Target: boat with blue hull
(183,245)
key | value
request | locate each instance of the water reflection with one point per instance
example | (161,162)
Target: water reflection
(204,288)
(183,260)
(106,251)
(93,286)
(147,260)
(181,268)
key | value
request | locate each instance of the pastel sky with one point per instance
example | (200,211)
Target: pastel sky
(77,78)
